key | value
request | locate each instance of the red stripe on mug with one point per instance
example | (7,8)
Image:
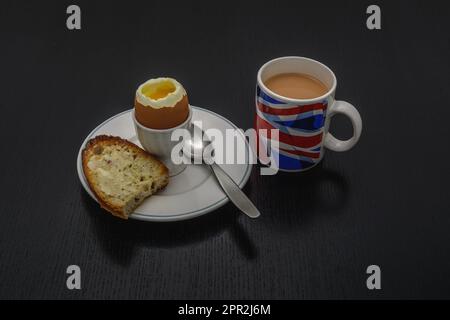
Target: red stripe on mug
(315,155)
(290,111)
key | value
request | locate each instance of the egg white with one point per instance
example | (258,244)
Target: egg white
(168,101)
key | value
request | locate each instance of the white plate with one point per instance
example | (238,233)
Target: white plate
(193,192)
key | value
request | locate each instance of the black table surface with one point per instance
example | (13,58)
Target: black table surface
(385,202)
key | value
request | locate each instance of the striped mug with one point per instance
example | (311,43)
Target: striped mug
(303,123)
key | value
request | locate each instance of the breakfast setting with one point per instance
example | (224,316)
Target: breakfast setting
(230,157)
(128,163)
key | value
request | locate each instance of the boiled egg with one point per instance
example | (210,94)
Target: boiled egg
(161,103)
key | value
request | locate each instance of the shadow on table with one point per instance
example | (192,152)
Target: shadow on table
(120,238)
(287,201)
(294,198)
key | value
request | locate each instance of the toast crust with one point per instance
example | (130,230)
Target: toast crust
(105,140)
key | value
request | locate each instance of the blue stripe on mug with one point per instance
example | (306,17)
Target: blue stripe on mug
(288,163)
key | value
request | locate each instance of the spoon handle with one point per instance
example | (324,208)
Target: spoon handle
(234,193)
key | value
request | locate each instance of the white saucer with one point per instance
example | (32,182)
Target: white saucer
(191,193)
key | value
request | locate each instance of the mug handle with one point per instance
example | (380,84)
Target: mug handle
(350,111)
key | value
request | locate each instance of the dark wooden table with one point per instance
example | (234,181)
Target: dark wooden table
(386,202)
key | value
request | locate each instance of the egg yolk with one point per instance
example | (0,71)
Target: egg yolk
(158,90)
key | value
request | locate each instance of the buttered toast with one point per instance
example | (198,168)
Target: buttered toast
(120,174)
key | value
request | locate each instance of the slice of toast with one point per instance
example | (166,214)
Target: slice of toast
(121,174)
